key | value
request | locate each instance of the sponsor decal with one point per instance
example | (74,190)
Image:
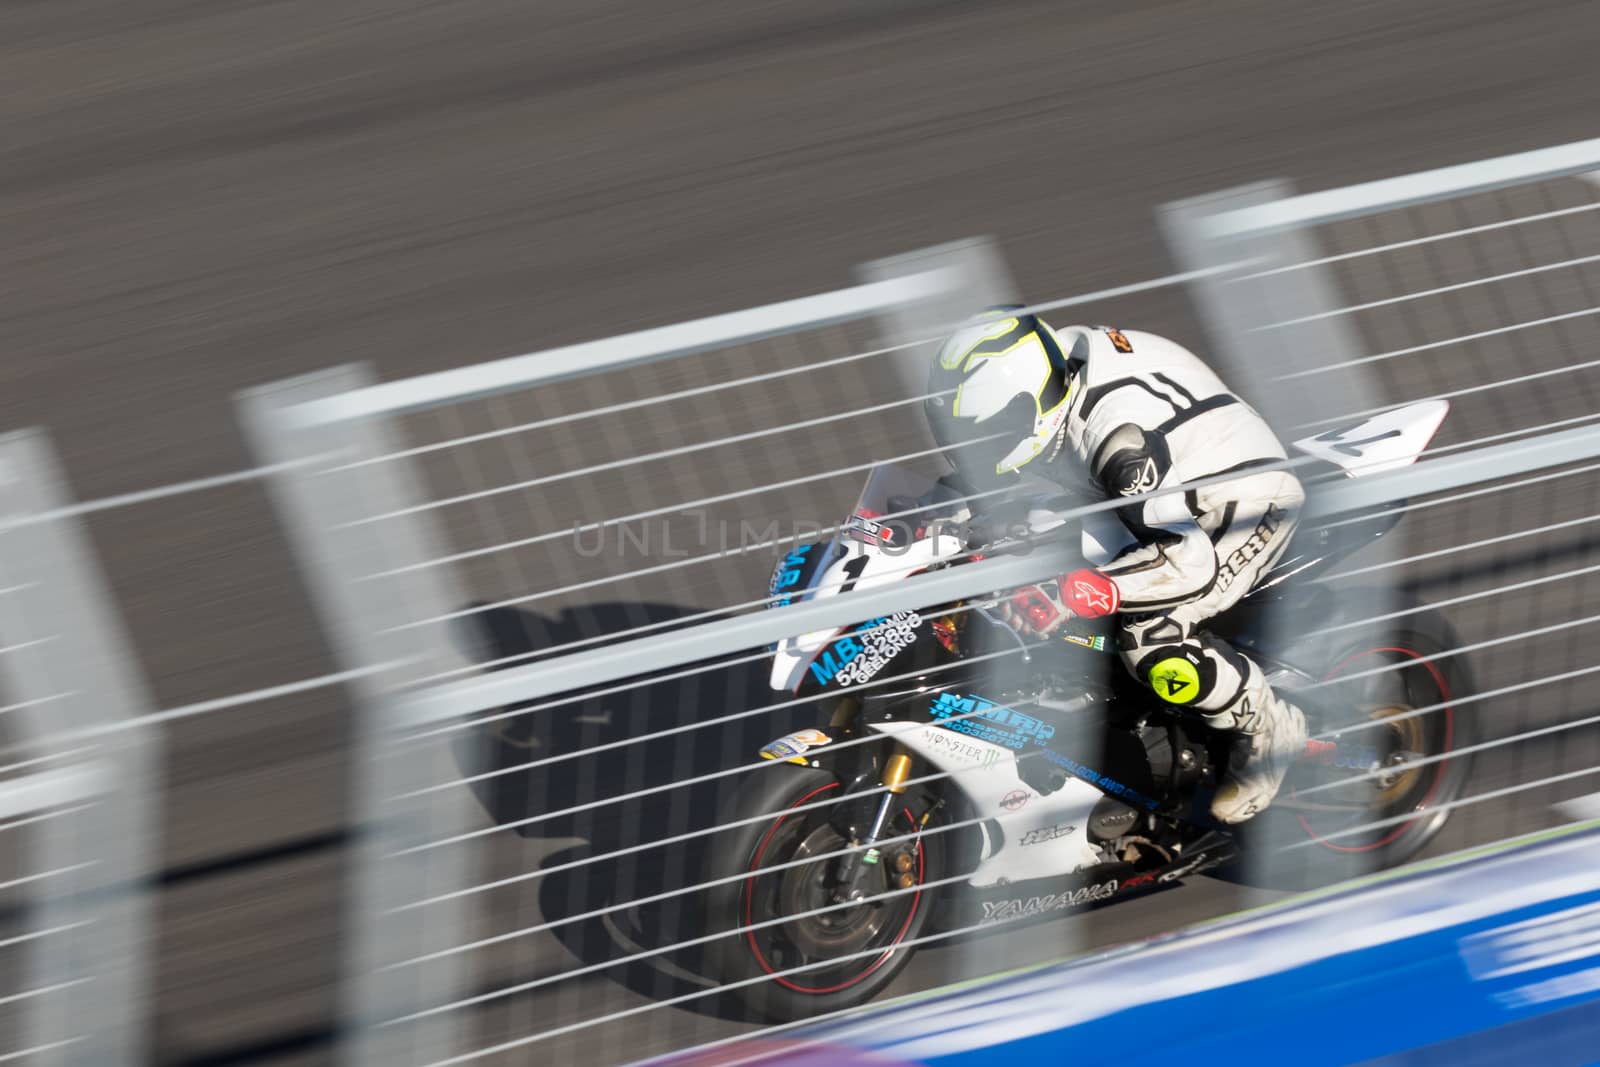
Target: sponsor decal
(1000,725)
(787,572)
(956,747)
(1254,545)
(1014,800)
(1139,880)
(864,528)
(1094,595)
(1119,340)
(1139,479)
(1045,833)
(786,576)
(793,747)
(1188,868)
(988,721)
(1175,680)
(859,657)
(1020,908)
(1099,781)
(1098,643)
(1353,448)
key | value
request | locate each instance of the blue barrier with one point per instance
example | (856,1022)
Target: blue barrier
(1485,959)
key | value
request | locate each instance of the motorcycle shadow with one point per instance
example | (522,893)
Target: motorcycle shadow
(654,783)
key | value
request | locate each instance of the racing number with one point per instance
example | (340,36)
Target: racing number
(853,571)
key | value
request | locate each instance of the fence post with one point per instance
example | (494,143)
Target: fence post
(74,696)
(313,499)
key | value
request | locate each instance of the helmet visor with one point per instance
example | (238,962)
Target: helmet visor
(979,450)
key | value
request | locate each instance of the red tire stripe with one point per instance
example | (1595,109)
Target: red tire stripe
(1449,737)
(749,906)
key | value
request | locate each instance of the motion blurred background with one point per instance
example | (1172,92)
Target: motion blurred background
(200,197)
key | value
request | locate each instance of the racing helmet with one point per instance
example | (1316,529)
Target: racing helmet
(998,392)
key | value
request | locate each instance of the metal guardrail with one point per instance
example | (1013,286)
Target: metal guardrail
(1390,194)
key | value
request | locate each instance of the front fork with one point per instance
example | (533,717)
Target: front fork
(864,853)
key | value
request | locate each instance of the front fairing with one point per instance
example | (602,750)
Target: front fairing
(904,640)
(891,534)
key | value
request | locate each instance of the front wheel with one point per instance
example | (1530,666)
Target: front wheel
(799,943)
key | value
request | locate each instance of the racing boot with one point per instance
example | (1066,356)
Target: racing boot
(1271,735)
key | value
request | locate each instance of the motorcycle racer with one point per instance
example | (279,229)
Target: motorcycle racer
(1134,413)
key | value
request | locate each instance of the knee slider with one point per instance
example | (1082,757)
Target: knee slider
(1179,674)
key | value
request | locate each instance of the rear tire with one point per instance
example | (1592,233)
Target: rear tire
(866,938)
(1333,834)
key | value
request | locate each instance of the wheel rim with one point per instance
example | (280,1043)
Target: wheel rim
(795,952)
(1390,696)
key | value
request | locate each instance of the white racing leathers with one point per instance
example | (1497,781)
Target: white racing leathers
(1148,413)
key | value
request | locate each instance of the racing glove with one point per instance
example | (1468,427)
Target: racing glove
(1090,594)
(1042,609)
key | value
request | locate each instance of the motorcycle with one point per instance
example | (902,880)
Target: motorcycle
(963,776)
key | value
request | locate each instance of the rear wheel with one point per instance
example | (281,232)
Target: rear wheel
(1382,789)
(798,945)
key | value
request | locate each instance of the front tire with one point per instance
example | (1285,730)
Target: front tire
(827,957)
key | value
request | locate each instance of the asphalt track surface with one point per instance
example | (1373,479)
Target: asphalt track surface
(196,198)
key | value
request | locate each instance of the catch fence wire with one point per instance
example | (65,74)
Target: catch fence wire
(1479,285)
